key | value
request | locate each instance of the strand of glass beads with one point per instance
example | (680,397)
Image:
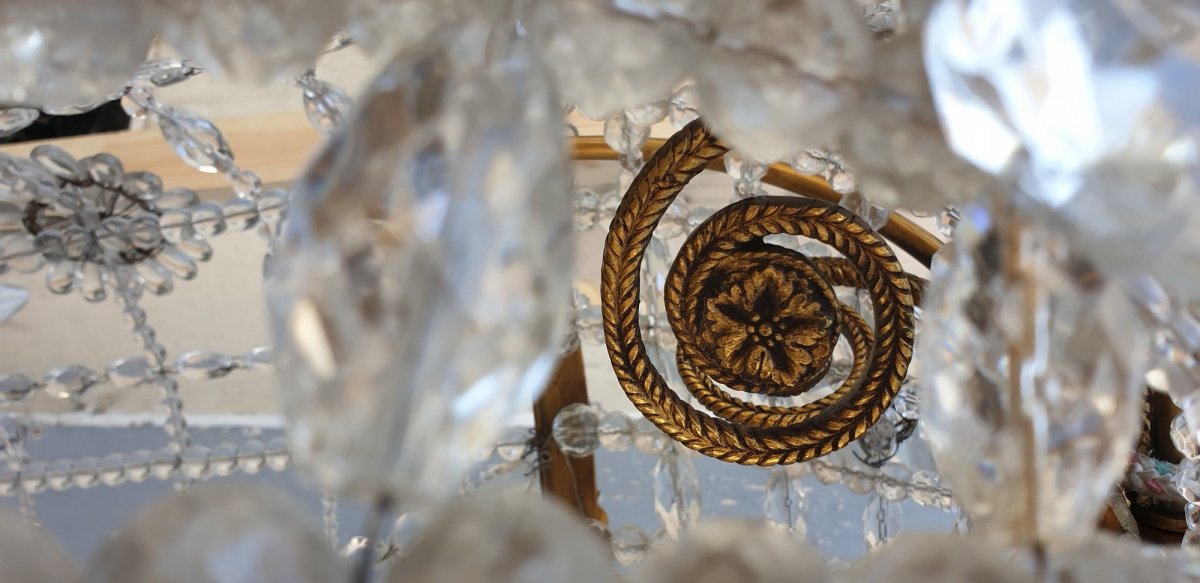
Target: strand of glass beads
(329,517)
(196,140)
(176,423)
(580,429)
(73,381)
(193,464)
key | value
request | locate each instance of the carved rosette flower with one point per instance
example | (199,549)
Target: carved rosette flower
(768,326)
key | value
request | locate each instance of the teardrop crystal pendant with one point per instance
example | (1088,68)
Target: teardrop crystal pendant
(1033,377)
(424,269)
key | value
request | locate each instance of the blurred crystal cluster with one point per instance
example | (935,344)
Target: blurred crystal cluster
(419,275)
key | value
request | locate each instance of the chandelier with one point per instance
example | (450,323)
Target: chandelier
(954,278)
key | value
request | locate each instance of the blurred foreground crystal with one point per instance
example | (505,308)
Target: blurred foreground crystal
(253,40)
(1033,368)
(425,267)
(218,533)
(1086,105)
(512,537)
(29,553)
(69,55)
(725,551)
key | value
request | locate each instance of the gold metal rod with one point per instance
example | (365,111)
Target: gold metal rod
(914,240)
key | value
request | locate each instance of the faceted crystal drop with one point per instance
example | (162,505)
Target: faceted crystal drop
(245,182)
(227,533)
(587,204)
(164,72)
(1033,369)
(419,292)
(875,215)
(676,492)
(881,522)
(130,372)
(177,198)
(649,439)
(208,218)
(58,162)
(178,263)
(204,365)
(29,553)
(325,105)
(196,140)
(70,382)
(241,213)
(62,276)
(15,386)
(92,279)
(105,169)
(615,431)
(629,544)
(683,107)
(12,299)
(575,429)
(731,550)
(155,277)
(623,136)
(509,537)
(15,119)
(785,502)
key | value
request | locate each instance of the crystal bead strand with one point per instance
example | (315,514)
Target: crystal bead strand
(325,105)
(196,140)
(13,436)
(747,175)
(329,517)
(196,463)
(73,381)
(176,424)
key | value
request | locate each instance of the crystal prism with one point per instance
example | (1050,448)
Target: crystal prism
(785,502)
(676,491)
(1032,378)
(1077,102)
(425,268)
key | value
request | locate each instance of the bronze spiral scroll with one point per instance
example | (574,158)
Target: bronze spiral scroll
(726,275)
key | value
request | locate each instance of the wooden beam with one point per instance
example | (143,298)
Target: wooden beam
(571,480)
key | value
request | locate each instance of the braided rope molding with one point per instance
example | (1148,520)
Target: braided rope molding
(684,156)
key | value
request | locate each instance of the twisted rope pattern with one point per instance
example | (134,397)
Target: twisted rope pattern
(846,417)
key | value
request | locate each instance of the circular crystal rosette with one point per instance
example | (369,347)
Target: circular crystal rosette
(94,226)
